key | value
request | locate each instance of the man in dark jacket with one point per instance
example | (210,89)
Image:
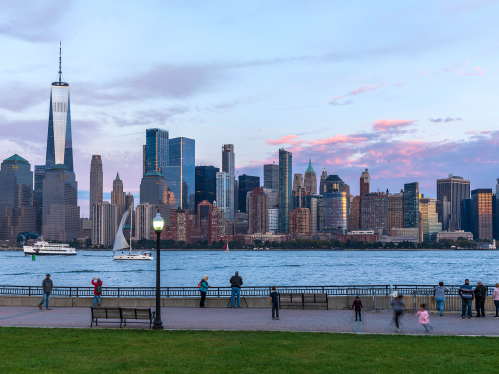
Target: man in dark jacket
(47,290)
(236,282)
(480,295)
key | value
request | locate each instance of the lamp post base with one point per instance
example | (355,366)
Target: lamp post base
(158,324)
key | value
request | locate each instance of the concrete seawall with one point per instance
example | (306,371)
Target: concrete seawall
(334,302)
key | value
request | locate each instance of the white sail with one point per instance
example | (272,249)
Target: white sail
(120,241)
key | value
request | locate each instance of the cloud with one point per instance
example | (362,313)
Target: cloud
(448,119)
(476,71)
(288,139)
(32,21)
(362,89)
(393,125)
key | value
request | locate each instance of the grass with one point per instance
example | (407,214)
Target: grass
(146,351)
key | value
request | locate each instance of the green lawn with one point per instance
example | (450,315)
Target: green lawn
(146,351)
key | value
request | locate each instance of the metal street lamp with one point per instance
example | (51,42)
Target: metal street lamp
(157,224)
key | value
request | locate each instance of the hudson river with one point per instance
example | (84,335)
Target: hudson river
(257,268)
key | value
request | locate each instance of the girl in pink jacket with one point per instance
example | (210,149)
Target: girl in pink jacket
(424,317)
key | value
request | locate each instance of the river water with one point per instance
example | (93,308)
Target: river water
(257,268)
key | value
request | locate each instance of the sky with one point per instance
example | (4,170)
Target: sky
(405,89)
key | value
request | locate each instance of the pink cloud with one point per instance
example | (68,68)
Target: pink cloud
(288,139)
(477,71)
(365,88)
(393,125)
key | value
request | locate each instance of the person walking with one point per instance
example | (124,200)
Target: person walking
(274,300)
(203,288)
(236,282)
(467,295)
(357,303)
(398,307)
(480,296)
(439,292)
(424,317)
(47,290)
(97,290)
(496,299)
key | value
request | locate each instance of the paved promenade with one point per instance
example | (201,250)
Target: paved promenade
(260,320)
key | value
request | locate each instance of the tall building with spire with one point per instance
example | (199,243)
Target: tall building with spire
(229,166)
(323,179)
(59,140)
(118,197)
(310,179)
(96,181)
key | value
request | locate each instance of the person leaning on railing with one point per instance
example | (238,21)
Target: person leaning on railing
(496,299)
(439,292)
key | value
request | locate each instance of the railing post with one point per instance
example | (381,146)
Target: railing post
(29,291)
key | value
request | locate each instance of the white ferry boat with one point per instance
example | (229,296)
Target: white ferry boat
(44,248)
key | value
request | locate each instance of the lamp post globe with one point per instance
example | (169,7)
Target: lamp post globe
(157,224)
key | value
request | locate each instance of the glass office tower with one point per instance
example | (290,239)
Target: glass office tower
(180,175)
(285,189)
(59,140)
(229,166)
(411,205)
(271,176)
(17,213)
(39,175)
(156,155)
(206,183)
(247,183)
(481,213)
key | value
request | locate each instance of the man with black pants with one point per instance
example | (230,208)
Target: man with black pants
(236,282)
(467,295)
(480,295)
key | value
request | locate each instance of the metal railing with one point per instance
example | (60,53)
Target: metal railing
(257,291)
(375,297)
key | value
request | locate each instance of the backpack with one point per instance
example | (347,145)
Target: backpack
(99,288)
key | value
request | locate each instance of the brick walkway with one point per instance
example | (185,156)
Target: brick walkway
(259,319)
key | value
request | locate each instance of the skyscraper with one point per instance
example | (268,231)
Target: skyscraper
(300,221)
(104,223)
(323,178)
(118,197)
(223,193)
(310,179)
(229,166)
(374,211)
(39,175)
(144,214)
(466,215)
(156,153)
(61,214)
(411,205)
(297,181)
(456,189)
(429,219)
(481,213)
(271,176)
(180,175)
(285,189)
(336,207)
(96,181)
(247,183)
(59,140)
(258,217)
(395,214)
(206,183)
(154,190)
(365,181)
(17,213)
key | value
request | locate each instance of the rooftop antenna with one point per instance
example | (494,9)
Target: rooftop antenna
(60,69)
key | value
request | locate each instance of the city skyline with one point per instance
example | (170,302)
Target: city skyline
(410,107)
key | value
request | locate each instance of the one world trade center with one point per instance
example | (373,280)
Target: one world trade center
(59,143)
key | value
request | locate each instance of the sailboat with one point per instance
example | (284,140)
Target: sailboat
(121,243)
(226,247)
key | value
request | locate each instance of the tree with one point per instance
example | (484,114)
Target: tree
(258,243)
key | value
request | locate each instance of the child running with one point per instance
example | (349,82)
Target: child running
(424,317)
(358,306)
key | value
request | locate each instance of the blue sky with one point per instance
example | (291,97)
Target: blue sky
(407,90)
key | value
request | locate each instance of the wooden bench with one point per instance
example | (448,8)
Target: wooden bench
(122,315)
(303,301)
